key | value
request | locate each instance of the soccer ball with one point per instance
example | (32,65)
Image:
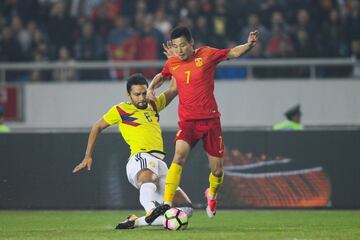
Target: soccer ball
(175,219)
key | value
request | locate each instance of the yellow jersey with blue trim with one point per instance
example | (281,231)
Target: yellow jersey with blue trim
(140,128)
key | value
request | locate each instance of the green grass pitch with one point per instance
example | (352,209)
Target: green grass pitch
(228,224)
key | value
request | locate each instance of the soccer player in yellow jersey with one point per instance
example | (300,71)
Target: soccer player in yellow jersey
(138,122)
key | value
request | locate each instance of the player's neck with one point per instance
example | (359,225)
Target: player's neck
(190,56)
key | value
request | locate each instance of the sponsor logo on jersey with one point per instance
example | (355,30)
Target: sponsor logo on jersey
(152,164)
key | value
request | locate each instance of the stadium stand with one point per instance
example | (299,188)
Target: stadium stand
(90,30)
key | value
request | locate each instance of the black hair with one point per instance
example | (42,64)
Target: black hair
(136,79)
(181,31)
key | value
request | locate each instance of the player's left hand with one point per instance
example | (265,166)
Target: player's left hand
(253,37)
(168,49)
(86,163)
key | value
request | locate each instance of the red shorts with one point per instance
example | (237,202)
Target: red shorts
(209,130)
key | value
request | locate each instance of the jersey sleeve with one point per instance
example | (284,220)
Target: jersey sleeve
(161,102)
(112,116)
(166,71)
(218,55)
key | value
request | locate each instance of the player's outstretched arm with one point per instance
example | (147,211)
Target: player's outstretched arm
(156,82)
(244,48)
(95,131)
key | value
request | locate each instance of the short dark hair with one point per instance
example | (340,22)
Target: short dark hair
(136,79)
(181,31)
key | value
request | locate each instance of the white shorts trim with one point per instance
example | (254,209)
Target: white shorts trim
(140,161)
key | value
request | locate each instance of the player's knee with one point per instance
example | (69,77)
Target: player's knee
(217,171)
(146,176)
(179,159)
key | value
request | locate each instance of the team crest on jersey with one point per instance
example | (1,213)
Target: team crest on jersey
(198,62)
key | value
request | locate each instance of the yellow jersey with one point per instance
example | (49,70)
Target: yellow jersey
(140,128)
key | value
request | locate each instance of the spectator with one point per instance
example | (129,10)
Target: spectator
(303,49)
(333,31)
(122,32)
(220,24)
(40,75)
(43,27)
(352,22)
(26,10)
(102,23)
(65,73)
(162,22)
(90,47)
(202,32)
(172,10)
(191,10)
(280,44)
(122,44)
(268,9)
(60,29)
(253,23)
(10,51)
(10,48)
(22,36)
(149,44)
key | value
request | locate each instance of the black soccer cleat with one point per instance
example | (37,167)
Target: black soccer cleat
(129,223)
(156,212)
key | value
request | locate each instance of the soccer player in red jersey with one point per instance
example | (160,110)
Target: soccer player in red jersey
(199,117)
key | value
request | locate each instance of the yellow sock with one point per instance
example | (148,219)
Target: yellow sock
(215,184)
(172,182)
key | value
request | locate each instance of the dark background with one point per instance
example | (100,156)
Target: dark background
(35,169)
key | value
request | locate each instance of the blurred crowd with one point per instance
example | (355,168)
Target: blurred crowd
(92,30)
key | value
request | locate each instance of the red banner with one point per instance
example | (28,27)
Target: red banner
(10,96)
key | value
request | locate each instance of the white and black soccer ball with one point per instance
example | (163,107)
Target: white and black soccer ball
(175,219)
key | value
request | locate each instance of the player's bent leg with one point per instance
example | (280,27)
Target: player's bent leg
(147,184)
(216,178)
(182,201)
(173,177)
(153,210)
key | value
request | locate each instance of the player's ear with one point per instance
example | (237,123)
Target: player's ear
(192,43)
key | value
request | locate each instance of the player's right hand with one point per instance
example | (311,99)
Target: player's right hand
(85,163)
(150,95)
(253,37)
(168,49)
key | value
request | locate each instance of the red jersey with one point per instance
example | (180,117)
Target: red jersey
(195,82)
